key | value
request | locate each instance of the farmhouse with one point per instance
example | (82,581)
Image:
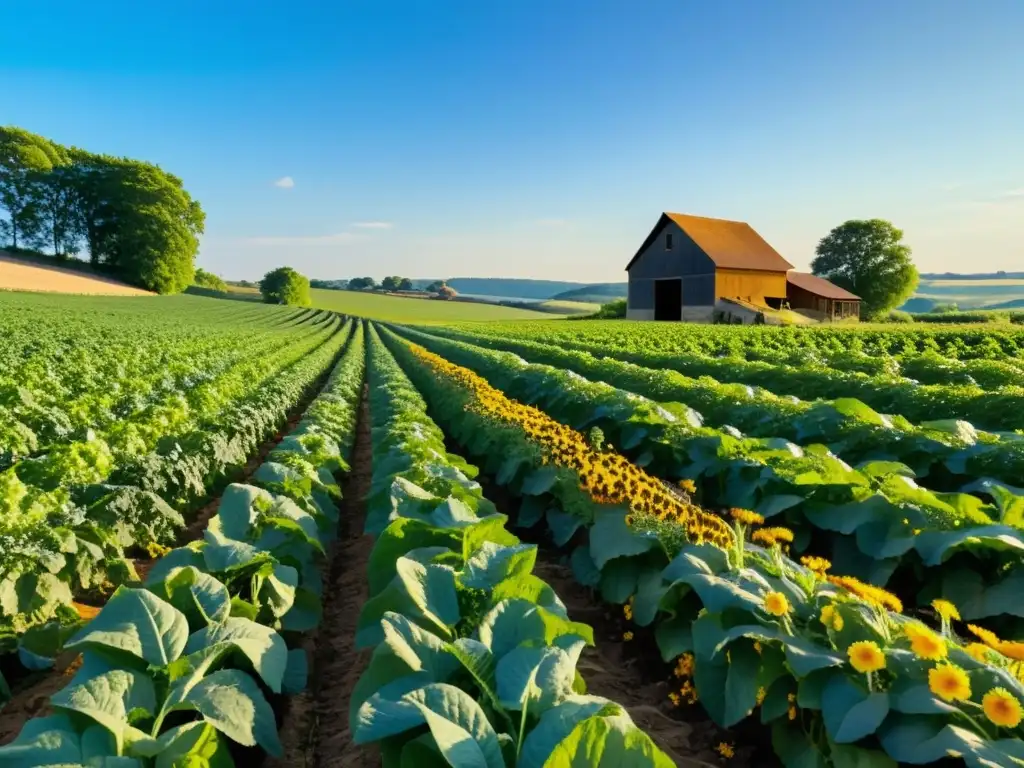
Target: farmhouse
(689,266)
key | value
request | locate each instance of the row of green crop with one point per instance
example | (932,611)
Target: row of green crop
(772,342)
(873,522)
(474,657)
(999,409)
(60,380)
(57,542)
(944,452)
(841,680)
(175,671)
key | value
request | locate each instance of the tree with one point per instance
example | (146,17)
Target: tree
(435,287)
(447,292)
(361,283)
(405,284)
(209,280)
(868,259)
(24,159)
(285,286)
(391,283)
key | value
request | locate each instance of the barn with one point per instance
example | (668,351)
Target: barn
(689,266)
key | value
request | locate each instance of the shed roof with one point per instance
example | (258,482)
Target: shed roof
(729,244)
(819,286)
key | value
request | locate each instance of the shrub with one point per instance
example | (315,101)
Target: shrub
(897,316)
(209,280)
(285,286)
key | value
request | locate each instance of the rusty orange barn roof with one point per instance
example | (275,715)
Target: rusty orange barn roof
(729,244)
(819,286)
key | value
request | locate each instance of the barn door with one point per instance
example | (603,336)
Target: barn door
(668,299)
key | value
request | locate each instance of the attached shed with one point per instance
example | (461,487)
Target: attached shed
(687,263)
(821,297)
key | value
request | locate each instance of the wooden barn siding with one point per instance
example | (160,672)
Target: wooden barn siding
(803,299)
(685,260)
(750,284)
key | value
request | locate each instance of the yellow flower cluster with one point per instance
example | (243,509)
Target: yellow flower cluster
(772,536)
(946,610)
(817,565)
(871,594)
(607,477)
(684,666)
(831,618)
(866,656)
(1008,648)
(746,517)
(725,750)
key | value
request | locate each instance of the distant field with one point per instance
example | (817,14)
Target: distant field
(968,294)
(17,274)
(401,310)
(569,307)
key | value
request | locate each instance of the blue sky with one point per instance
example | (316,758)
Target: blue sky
(540,138)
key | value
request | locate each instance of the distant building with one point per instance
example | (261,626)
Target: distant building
(689,265)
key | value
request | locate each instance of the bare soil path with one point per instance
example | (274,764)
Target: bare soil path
(315,730)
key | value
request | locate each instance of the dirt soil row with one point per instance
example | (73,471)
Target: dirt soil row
(19,275)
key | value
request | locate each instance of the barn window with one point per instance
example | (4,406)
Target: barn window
(668,241)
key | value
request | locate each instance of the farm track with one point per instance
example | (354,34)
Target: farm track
(316,731)
(31,698)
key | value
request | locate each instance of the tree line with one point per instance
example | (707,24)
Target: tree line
(390,283)
(133,219)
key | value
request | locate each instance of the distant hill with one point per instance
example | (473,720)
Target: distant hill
(599,293)
(511,287)
(974,276)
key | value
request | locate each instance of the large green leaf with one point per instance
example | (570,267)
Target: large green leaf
(137,622)
(610,537)
(537,678)
(233,703)
(262,646)
(425,593)
(54,741)
(513,622)
(111,699)
(919,739)
(851,713)
(493,563)
(199,596)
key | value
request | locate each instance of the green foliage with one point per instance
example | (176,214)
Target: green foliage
(132,217)
(285,286)
(174,671)
(209,280)
(868,259)
(896,316)
(610,311)
(396,283)
(361,283)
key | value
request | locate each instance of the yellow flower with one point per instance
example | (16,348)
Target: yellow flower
(746,517)
(627,636)
(925,643)
(991,639)
(1002,708)
(949,683)
(831,618)
(866,656)
(946,610)
(1011,649)
(772,536)
(776,604)
(675,698)
(816,564)
(761,693)
(978,651)
(688,486)
(627,611)
(725,750)
(874,595)
(791,712)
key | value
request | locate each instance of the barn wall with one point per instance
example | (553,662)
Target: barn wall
(685,260)
(750,284)
(803,299)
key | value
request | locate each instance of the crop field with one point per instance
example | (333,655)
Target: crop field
(239,534)
(398,309)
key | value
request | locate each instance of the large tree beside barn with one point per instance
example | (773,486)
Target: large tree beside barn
(869,258)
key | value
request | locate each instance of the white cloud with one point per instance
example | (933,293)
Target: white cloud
(1012,194)
(374,224)
(340,237)
(285,182)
